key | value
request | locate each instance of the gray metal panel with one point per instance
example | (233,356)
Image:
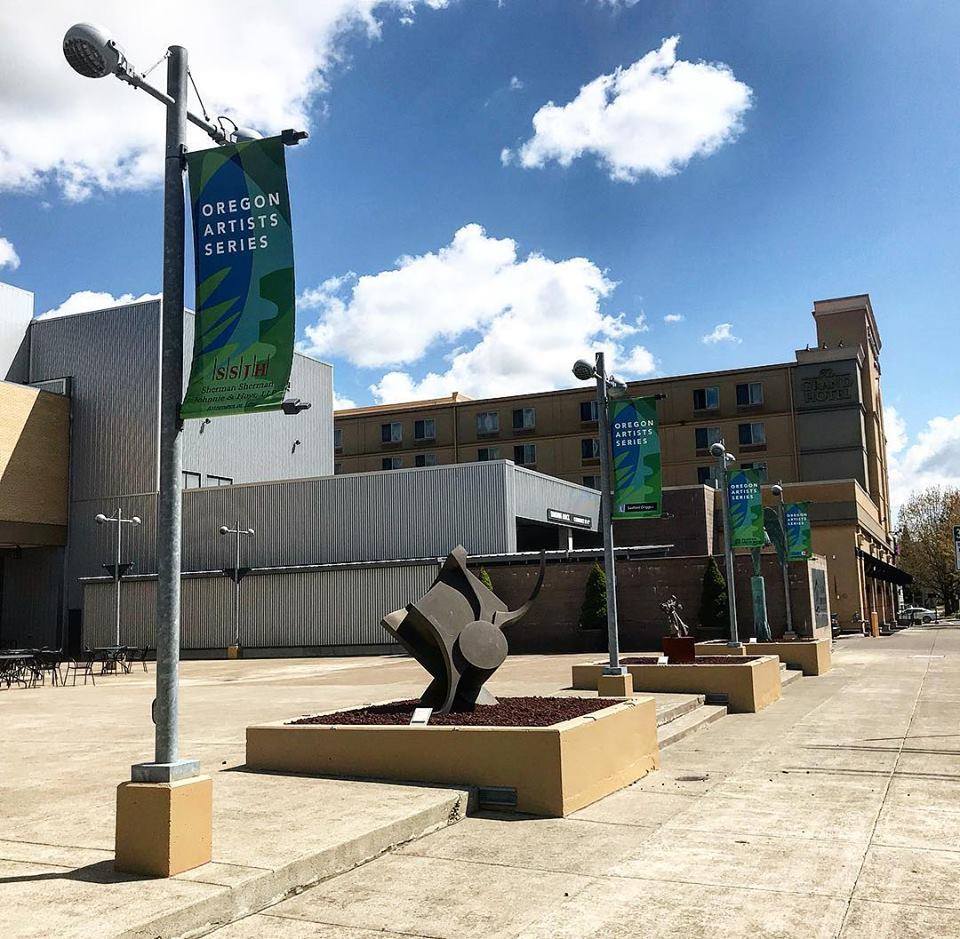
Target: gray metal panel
(535,493)
(30,599)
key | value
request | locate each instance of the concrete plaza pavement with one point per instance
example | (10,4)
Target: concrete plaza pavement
(833,813)
(63,750)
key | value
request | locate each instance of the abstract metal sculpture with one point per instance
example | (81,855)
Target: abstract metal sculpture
(676,626)
(455,632)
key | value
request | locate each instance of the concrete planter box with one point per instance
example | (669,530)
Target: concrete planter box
(720,647)
(750,684)
(555,770)
(811,656)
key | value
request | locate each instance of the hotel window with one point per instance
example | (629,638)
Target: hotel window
(706,437)
(337,438)
(425,459)
(589,448)
(391,433)
(425,430)
(391,462)
(705,475)
(706,399)
(749,394)
(588,411)
(752,434)
(591,482)
(525,454)
(219,480)
(488,422)
(524,418)
(191,480)
(761,469)
(337,468)
(484,454)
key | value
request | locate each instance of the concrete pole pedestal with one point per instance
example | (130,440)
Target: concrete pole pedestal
(615,686)
(164,828)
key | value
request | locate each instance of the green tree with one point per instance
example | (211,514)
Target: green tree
(714,611)
(593,613)
(925,535)
(484,578)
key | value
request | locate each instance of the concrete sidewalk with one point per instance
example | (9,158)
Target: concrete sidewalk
(63,751)
(835,812)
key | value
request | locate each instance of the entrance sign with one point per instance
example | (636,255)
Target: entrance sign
(635,447)
(746,509)
(797,519)
(243,252)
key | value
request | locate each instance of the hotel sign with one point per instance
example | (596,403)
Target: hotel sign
(245,305)
(829,387)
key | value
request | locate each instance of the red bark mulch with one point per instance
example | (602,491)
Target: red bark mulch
(701,660)
(509,712)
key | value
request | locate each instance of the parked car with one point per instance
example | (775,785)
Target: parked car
(917,614)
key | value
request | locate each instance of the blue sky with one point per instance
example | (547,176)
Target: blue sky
(841,179)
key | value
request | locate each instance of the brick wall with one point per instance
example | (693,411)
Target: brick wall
(642,585)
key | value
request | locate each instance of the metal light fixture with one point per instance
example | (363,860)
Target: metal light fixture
(718,451)
(294,406)
(583,370)
(90,51)
(118,567)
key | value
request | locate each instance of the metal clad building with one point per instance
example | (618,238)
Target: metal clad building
(332,554)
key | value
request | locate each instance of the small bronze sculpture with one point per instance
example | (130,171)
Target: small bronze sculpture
(454,632)
(675,625)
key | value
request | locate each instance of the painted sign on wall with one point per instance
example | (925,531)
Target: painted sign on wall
(245,304)
(635,449)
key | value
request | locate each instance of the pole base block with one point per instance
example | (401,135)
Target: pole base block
(164,772)
(615,686)
(164,828)
(234,652)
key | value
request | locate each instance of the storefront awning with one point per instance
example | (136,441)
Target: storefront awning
(874,567)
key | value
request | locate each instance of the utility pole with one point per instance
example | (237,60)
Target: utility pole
(118,568)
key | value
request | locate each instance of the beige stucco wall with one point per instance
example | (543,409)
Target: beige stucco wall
(34,456)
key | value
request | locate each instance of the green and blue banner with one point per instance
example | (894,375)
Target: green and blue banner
(635,448)
(798,530)
(746,509)
(245,305)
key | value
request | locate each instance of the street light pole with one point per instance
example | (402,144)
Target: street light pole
(785,564)
(119,521)
(585,371)
(239,532)
(719,451)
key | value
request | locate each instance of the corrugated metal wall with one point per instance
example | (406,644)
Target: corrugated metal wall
(535,493)
(297,609)
(112,359)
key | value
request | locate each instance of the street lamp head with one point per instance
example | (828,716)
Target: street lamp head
(136,520)
(718,450)
(224,530)
(777,489)
(583,370)
(250,531)
(90,51)
(240,134)
(100,518)
(729,458)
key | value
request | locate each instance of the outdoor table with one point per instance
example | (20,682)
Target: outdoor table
(11,666)
(110,657)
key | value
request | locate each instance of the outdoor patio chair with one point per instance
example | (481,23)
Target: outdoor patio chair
(82,663)
(138,656)
(48,661)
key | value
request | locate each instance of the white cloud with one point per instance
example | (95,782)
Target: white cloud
(722,332)
(83,301)
(8,255)
(518,322)
(342,404)
(516,84)
(100,134)
(652,117)
(933,459)
(673,318)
